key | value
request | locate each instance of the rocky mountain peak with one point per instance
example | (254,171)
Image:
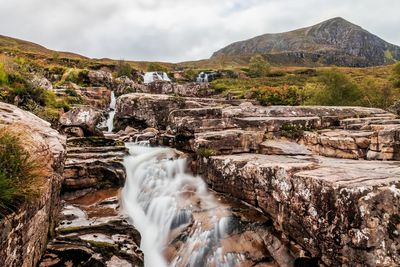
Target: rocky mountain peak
(332,42)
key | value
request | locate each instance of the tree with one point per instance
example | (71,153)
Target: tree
(335,88)
(258,66)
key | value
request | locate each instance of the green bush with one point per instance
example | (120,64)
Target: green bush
(206,152)
(19,173)
(3,75)
(77,76)
(396,75)
(335,88)
(258,67)
(124,69)
(293,131)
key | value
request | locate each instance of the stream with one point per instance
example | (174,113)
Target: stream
(163,201)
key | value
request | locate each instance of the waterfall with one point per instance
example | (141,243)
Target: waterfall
(159,196)
(111,114)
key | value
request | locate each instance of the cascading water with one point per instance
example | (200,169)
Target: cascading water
(159,198)
(111,114)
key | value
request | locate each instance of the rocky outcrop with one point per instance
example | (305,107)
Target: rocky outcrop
(328,206)
(124,85)
(149,110)
(100,78)
(81,121)
(42,82)
(92,232)
(299,165)
(93,163)
(24,233)
(96,97)
(332,42)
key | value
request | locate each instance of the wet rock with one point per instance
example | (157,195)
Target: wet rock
(93,163)
(93,233)
(84,117)
(24,233)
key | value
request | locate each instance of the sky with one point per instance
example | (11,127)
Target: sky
(178,30)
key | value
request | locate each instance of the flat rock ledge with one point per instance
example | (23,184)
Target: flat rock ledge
(344,211)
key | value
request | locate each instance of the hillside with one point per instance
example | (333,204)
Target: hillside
(332,42)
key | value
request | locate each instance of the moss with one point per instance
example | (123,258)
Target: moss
(99,244)
(206,152)
(70,230)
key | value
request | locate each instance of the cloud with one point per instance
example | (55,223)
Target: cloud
(178,30)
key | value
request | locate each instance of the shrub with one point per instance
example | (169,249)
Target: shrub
(396,75)
(77,76)
(286,95)
(335,88)
(293,131)
(19,173)
(124,69)
(378,94)
(258,67)
(3,75)
(206,152)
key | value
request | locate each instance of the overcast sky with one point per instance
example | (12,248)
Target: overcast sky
(178,30)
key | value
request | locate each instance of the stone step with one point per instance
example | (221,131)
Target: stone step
(339,143)
(327,205)
(95,156)
(92,142)
(386,119)
(102,149)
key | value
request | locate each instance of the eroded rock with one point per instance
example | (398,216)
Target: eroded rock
(24,233)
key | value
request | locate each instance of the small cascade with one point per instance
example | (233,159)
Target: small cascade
(111,114)
(160,197)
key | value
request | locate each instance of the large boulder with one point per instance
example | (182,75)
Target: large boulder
(141,110)
(345,212)
(124,85)
(100,78)
(42,82)
(24,233)
(84,118)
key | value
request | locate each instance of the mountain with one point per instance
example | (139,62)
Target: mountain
(332,42)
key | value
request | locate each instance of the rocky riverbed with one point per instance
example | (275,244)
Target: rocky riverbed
(287,186)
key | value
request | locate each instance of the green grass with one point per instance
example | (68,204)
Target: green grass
(19,173)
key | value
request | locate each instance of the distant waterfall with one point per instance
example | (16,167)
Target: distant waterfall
(111,114)
(159,196)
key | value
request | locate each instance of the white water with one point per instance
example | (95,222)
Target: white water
(159,196)
(111,114)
